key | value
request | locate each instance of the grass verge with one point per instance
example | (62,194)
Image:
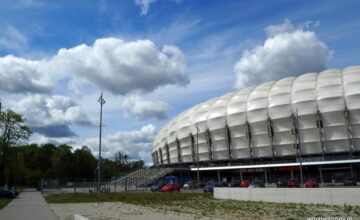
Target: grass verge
(4,202)
(205,205)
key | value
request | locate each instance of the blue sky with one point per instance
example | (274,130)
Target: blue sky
(155,58)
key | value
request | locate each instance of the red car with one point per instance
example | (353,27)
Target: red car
(311,183)
(245,183)
(292,183)
(170,187)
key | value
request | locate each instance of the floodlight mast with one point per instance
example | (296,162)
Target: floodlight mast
(102,102)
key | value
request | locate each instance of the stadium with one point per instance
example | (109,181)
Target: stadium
(306,125)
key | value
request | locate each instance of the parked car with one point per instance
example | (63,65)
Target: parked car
(171,187)
(311,183)
(157,187)
(282,184)
(245,183)
(189,185)
(257,184)
(350,181)
(209,187)
(5,193)
(234,184)
(293,183)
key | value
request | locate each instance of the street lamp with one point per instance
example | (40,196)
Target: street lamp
(102,102)
(197,153)
(299,150)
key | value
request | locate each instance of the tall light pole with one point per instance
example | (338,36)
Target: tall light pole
(197,153)
(102,102)
(299,150)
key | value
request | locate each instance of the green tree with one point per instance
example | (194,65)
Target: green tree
(13,132)
(85,163)
(63,162)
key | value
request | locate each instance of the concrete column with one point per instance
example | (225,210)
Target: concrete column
(265,175)
(241,176)
(321,175)
(218,173)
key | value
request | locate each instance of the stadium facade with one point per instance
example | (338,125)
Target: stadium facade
(310,120)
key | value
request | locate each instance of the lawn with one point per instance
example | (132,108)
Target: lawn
(4,202)
(205,205)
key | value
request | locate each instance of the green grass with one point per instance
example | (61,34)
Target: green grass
(200,204)
(4,202)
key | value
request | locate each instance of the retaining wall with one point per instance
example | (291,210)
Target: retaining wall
(330,196)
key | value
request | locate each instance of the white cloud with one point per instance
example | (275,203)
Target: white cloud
(286,51)
(40,139)
(51,116)
(137,143)
(19,75)
(144,5)
(144,109)
(12,38)
(110,64)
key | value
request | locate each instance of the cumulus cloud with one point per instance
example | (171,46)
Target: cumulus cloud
(110,63)
(144,109)
(137,143)
(286,51)
(123,67)
(51,116)
(19,75)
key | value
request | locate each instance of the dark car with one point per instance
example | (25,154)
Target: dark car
(171,187)
(189,185)
(209,187)
(293,183)
(234,184)
(282,184)
(5,193)
(311,183)
(257,184)
(350,181)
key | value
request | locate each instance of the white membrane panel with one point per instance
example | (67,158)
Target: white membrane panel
(216,122)
(184,132)
(304,101)
(171,140)
(257,116)
(331,101)
(200,118)
(351,81)
(280,111)
(332,97)
(236,119)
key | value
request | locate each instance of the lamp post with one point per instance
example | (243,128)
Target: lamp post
(102,102)
(299,151)
(197,153)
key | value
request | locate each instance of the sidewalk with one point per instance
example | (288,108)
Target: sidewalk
(28,205)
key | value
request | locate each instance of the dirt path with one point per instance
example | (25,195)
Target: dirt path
(117,211)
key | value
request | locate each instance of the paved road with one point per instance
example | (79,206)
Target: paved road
(28,205)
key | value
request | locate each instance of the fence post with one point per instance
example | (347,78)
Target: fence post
(126,179)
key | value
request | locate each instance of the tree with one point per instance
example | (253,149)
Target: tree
(85,163)
(13,131)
